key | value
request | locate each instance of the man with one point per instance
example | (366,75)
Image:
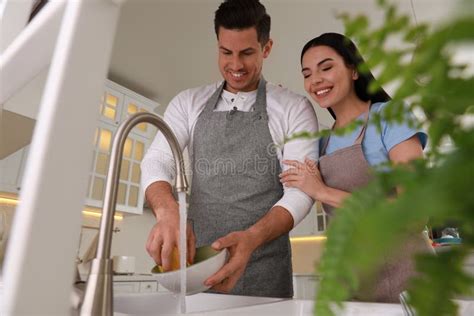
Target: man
(230,128)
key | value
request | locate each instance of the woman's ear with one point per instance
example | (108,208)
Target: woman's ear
(355,74)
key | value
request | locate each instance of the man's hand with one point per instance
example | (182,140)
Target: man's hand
(241,245)
(164,235)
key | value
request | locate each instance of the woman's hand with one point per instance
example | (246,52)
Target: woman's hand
(304,176)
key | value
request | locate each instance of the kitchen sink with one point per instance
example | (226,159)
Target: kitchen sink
(164,303)
(232,305)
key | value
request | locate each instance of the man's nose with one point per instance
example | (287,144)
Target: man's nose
(237,63)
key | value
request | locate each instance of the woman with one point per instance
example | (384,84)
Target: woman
(329,67)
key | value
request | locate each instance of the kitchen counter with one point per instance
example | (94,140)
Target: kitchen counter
(305,308)
(218,304)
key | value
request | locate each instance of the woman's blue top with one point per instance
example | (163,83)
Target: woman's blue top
(377,144)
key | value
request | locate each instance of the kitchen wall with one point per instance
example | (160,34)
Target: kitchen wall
(131,240)
(162,47)
(128,239)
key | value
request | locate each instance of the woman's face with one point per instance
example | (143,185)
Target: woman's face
(327,79)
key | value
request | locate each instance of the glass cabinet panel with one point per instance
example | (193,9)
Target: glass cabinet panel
(116,105)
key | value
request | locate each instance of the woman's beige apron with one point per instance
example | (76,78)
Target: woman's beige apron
(347,169)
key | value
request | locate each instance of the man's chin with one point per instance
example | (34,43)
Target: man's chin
(233,86)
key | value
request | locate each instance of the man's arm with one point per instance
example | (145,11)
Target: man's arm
(242,244)
(301,118)
(158,172)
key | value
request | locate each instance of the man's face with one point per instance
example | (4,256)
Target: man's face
(241,58)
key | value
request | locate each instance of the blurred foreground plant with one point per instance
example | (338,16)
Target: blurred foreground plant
(440,188)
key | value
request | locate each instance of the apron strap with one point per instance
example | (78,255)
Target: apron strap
(326,142)
(364,128)
(358,140)
(261,99)
(212,102)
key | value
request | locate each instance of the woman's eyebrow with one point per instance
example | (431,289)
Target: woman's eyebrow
(324,60)
(319,64)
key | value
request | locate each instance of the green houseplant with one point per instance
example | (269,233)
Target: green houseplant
(439,188)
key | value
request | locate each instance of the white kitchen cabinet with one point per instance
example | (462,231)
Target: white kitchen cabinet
(305,286)
(148,287)
(139,286)
(11,171)
(117,104)
(126,287)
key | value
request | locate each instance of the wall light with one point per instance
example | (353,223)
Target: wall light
(8,200)
(91,212)
(308,238)
(11,200)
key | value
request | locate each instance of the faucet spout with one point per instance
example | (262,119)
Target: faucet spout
(98,298)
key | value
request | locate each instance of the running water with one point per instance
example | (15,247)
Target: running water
(182,249)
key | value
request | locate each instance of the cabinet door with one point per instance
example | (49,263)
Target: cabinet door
(148,286)
(116,105)
(305,286)
(130,195)
(24,158)
(126,287)
(100,163)
(11,171)
(132,106)
(111,106)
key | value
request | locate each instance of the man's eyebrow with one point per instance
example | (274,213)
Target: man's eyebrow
(246,50)
(223,48)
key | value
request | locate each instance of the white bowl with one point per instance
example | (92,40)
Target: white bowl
(207,262)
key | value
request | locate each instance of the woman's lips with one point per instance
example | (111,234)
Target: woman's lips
(323,92)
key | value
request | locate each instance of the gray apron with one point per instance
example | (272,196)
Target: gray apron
(235,183)
(347,169)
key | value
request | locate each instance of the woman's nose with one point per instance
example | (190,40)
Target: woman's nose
(316,79)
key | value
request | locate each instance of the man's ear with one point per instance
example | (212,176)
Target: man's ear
(267,48)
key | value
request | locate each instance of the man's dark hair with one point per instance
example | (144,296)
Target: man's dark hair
(243,14)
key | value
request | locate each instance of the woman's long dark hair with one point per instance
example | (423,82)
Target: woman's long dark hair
(352,58)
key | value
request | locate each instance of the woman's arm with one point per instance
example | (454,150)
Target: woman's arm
(406,151)
(306,176)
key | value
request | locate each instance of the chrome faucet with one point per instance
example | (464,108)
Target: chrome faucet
(98,297)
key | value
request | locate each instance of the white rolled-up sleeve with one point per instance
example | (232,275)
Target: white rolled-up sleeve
(301,118)
(158,163)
